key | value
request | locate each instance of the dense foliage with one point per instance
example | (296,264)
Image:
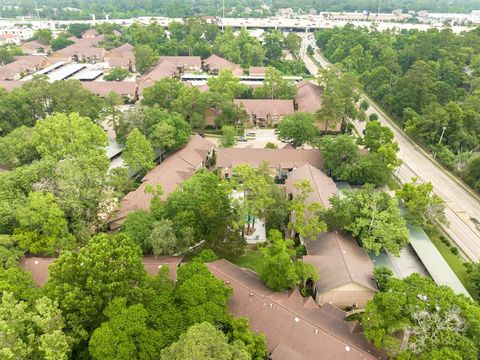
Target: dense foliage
(427,80)
(414,318)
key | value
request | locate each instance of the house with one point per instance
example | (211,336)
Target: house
(170,173)
(126,89)
(34,47)
(263,112)
(184,63)
(90,34)
(280,161)
(163,69)
(79,53)
(309,99)
(345,269)
(122,56)
(38,266)
(257,71)
(323,186)
(214,63)
(9,39)
(23,66)
(294,327)
(9,85)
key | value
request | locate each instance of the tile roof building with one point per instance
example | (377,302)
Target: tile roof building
(345,270)
(214,63)
(34,47)
(263,112)
(38,266)
(163,69)
(257,71)
(122,56)
(295,327)
(184,63)
(83,50)
(281,161)
(170,173)
(309,99)
(22,66)
(103,88)
(323,186)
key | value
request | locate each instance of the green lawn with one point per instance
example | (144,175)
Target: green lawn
(454,261)
(252,259)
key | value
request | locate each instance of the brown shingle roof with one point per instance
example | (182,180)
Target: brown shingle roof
(266,107)
(183,61)
(257,70)
(277,158)
(31,47)
(171,172)
(11,84)
(163,69)
(339,260)
(216,63)
(323,186)
(103,88)
(27,64)
(38,266)
(293,331)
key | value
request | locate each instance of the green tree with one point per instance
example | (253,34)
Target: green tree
(191,104)
(162,93)
(306,220)
(416,319)
(43,35)
(372,217)
(117,74)
(170,130)
(32,332)
(299,129)
(376,136)
(305,272)
(425,208)
(163,240)
(77,29)
(340,94)
(254,187)
(42,227)
(138,226)
(203,204)
(204,341)
(144,58)
(227,84)
(16,148)
(59,136)
(273,44)
(275,86)
(125,335)
(228,138)
(278,269)
(10,254)
(340,154)
(293,42)
(138,153)
(60,42)
(84,283)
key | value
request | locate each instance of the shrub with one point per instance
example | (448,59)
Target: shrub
(454,250)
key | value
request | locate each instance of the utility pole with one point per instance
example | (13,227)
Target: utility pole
(379,6)
(36,8)
(223,13)
(441,136)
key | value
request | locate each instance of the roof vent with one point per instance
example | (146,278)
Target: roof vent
(296,319)
(36,262)
(227,282)
(347,348)
(316,331)
(251,294)
(271,305)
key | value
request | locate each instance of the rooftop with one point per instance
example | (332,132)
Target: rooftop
(295,327)
(266,107)
(276,158)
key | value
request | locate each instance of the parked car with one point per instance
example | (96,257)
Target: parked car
(252,134)
(241,138)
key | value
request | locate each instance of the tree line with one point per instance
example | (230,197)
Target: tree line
(428,80)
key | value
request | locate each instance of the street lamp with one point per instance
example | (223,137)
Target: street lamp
(441,136)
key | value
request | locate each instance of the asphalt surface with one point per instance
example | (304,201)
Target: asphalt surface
(462,204)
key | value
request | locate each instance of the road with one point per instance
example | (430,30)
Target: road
(461,203)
